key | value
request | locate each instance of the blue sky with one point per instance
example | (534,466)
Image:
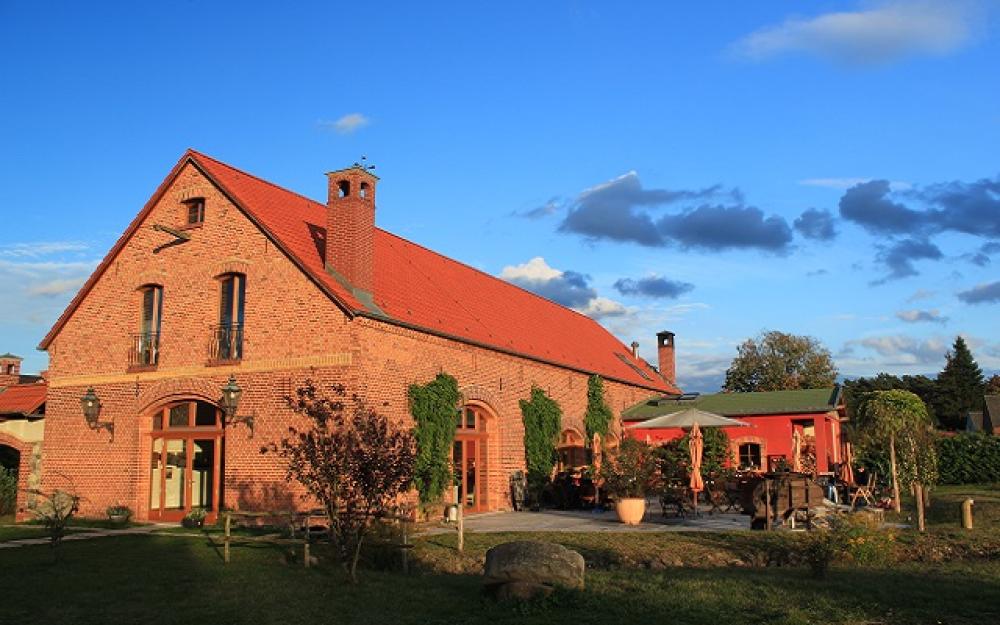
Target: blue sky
(714,168)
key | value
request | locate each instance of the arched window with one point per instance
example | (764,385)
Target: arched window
(228,340)
(750,455)
(343,188)
(363,191)
(146,344)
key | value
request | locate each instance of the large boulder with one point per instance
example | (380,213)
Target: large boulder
(525,568)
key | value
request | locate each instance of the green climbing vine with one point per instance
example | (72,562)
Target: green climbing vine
(542,422)
(597,420)
(433,407)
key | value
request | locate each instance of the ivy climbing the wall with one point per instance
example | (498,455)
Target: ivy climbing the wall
(542,422)
(433,406)
(597,420)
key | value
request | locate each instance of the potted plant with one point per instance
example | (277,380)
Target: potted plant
(628,476)
(119,514)
(195,518)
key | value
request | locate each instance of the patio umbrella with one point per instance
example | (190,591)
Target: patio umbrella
(687,419)
(595,448)
(696,445)
(846,470)
(796,450)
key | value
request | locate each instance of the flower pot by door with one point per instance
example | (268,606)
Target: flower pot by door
(631,510)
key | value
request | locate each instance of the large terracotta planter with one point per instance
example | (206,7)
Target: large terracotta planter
(631,510)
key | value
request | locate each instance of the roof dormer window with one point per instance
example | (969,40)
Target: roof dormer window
(195,211)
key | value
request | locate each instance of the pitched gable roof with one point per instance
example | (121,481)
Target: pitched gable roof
(418,288)
(803,401)
(22,399)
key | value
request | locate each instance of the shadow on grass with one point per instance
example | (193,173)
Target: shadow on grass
(172,579)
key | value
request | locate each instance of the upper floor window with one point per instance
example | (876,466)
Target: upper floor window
(195,211)
(146,344)
(228,342)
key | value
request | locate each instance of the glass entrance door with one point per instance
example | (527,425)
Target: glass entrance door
(468,454)
(186,454)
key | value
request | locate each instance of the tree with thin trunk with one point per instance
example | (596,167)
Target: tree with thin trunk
(898,421)
(351,459)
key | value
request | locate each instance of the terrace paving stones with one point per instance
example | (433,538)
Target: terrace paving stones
(594,521)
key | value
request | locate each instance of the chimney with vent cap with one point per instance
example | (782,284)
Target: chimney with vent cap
(350,227)
(635,349)
(667,359)
(10,370)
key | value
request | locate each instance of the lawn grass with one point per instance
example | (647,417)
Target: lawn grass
(177,579)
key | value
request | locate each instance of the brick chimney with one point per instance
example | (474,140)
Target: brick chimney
(350,227)
(667,358)
(10,370)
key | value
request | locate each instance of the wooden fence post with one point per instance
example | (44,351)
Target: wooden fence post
(225,541)
(461,528)
(967,514)
(305,547)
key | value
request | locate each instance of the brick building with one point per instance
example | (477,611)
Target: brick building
(22,414)
(224,274)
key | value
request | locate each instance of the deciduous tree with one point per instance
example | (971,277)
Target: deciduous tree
(351,459)
(777,361)
(898,420)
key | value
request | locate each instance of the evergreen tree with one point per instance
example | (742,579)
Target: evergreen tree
(960,387)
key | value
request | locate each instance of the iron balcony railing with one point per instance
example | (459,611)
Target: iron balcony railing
(226,342)
(145,351)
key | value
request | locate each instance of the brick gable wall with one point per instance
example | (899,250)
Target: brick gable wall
(292,332)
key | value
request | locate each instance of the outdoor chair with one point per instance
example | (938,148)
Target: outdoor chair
(715,492)
(678,497)
(865,491)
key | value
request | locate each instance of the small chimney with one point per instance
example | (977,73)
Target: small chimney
(10,370)
(635,349)
(667,358)
(350,227)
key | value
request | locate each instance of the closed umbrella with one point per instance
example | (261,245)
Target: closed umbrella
(696,445)
(796,450)
(846,469)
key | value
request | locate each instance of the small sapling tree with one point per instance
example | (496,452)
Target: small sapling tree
(354,461)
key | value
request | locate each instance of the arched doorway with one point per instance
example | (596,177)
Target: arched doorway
(571,450)
(186,460)
(469,459)
(10,462)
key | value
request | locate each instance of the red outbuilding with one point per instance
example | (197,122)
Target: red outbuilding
(772,418)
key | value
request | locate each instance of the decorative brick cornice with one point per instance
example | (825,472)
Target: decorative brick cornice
(480,394)
(231,265)
(340,359)
(177,388)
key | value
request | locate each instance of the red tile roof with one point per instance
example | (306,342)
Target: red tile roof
(420,288)
(22,399)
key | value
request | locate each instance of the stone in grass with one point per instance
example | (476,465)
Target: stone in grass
(526,569)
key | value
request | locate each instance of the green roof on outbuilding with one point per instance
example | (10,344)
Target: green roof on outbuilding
(741,404)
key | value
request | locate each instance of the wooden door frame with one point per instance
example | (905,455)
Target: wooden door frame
(480,435)
(189,435)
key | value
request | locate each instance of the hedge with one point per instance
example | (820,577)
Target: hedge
(968,458)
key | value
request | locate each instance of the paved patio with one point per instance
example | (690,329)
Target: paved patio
(599,521)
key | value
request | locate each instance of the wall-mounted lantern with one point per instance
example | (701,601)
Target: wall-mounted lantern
(91,405)
(230,402)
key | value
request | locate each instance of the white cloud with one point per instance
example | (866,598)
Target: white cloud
(34,250)
(347,124)
(601,307)
(920,294)
(535,270)
(917,316)
(847,183)
(53,288)
(886,32)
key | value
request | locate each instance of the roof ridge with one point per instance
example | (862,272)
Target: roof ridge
(196,153)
